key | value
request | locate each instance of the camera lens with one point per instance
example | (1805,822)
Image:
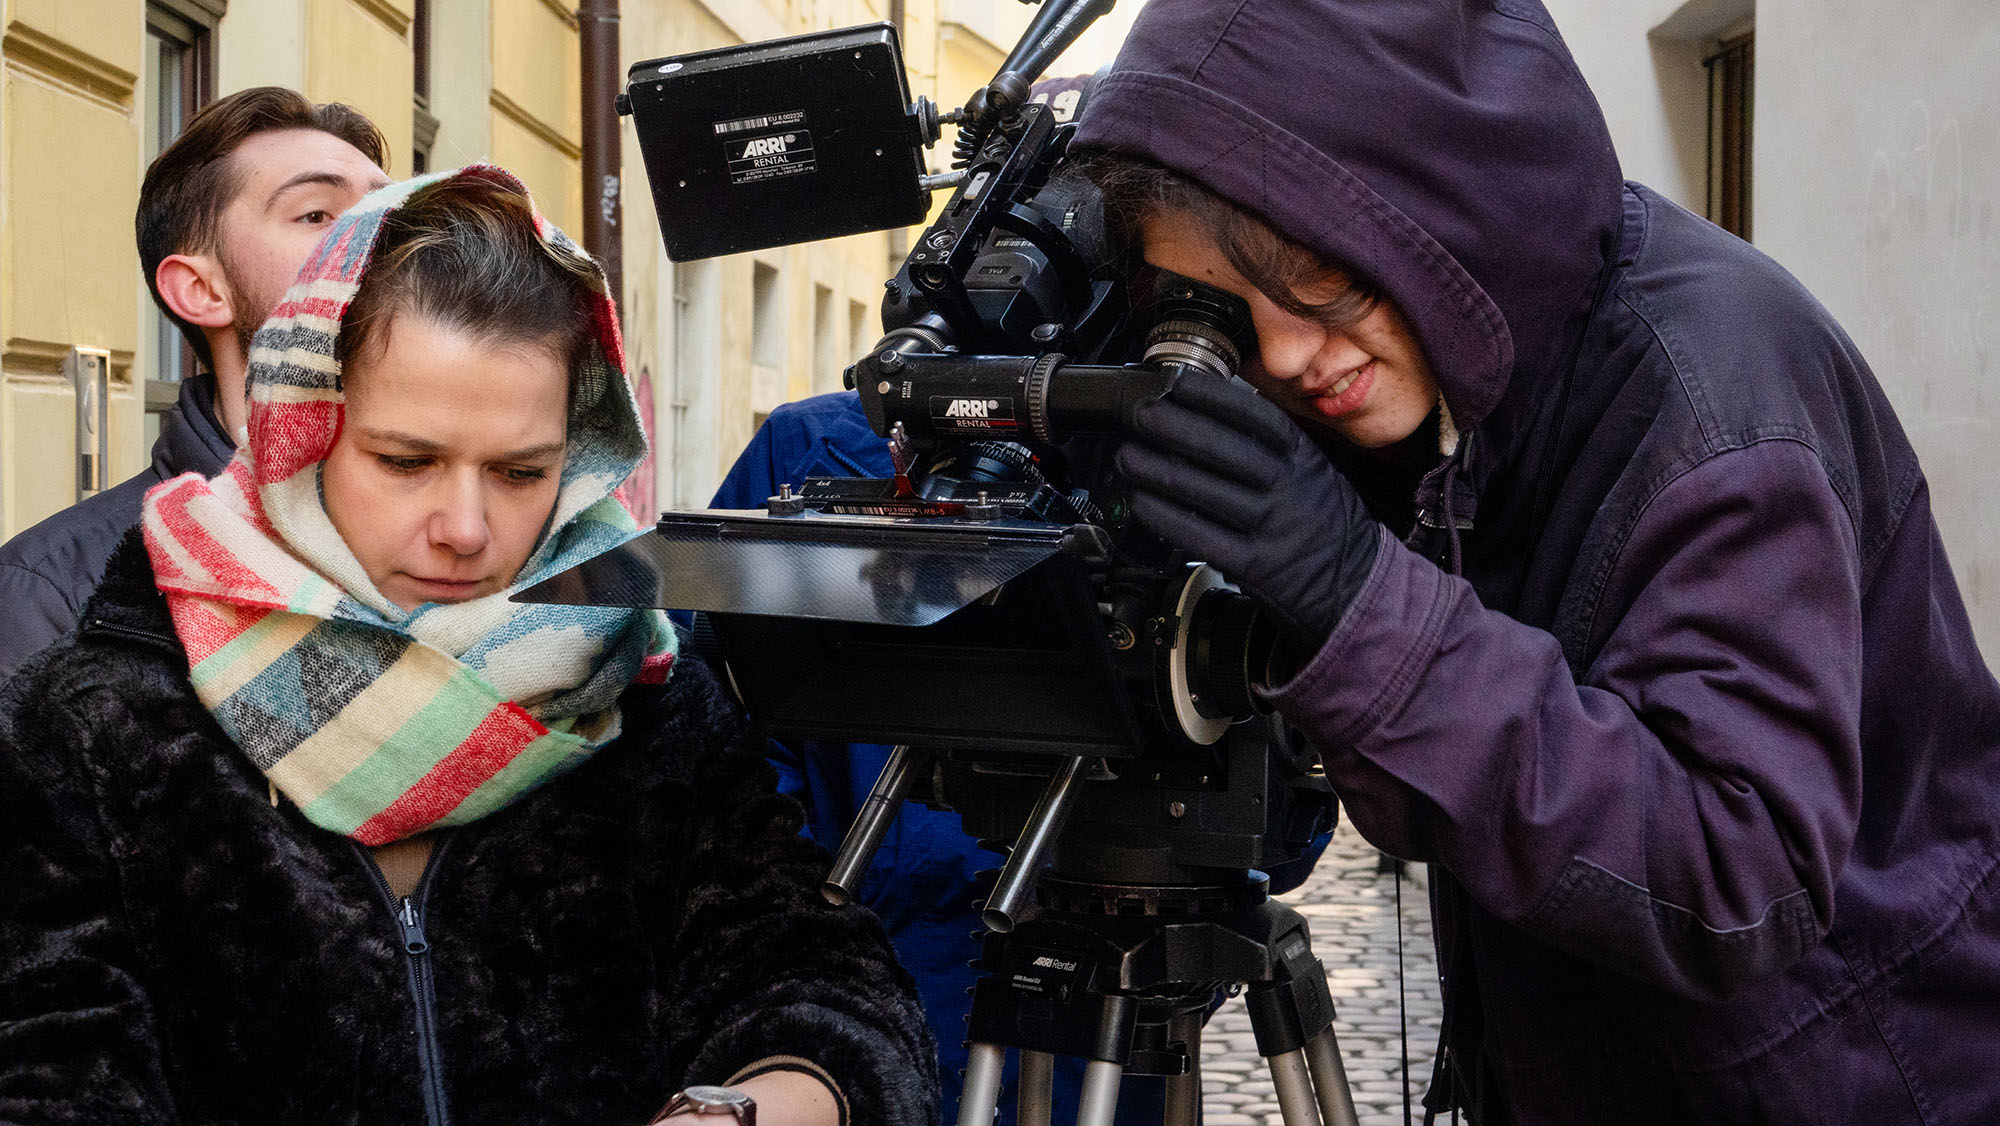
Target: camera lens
(1230,640)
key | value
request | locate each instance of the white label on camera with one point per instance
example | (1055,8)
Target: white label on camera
(774,154)
(950,413)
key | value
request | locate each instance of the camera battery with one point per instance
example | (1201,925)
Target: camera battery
(780,142)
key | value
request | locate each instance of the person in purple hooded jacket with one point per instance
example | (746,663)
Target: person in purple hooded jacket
(1615,584)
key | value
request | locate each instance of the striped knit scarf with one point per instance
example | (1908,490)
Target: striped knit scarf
(380,723)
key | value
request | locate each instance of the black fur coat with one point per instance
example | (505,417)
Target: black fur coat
(173,948)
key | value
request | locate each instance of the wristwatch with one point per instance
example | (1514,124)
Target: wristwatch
(712,1100)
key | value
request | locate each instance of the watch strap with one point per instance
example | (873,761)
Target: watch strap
(740,1106)
(804,1067)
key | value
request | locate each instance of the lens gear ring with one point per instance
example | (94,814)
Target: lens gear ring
(1040,374)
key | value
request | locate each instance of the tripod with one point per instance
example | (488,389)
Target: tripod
(1122,975)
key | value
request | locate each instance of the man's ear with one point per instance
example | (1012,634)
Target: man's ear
(192,286)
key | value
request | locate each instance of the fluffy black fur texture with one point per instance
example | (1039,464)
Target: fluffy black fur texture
(175,949)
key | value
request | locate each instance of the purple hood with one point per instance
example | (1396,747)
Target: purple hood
(1448,152)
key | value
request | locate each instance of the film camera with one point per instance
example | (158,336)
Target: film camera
(1045,667)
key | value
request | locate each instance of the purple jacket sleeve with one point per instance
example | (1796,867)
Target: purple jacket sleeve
(1680,814)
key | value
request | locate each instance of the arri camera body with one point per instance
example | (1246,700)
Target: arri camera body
(1044,666)
(991,604)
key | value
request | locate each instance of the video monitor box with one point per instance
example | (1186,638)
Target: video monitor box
(788,141)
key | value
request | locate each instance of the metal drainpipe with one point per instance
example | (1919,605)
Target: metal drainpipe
(597,22)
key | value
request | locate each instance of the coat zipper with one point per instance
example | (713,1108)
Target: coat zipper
(421,988)
(841,456)
(129,633)
(408,913)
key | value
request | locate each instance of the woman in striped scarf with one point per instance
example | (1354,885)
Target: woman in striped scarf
(314,824)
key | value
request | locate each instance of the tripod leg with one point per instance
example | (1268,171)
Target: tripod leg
(1336,1101)
(1033,1105)
(1184,1091)
(982,1084)
(1295,1093)
(1099,1102)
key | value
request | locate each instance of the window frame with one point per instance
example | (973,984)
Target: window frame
(1732,98)
(186,28)
(424,122)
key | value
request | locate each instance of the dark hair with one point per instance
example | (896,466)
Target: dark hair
(189,184)
(464,253)
(1136,189)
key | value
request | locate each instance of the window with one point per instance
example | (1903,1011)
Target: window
(1731,109)
(767,344)
(699,448)
(826,366)
(683,361)
(767,333)
(179,80)
(859,336)
(424,122)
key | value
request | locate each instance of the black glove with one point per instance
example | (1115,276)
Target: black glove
(1222,473)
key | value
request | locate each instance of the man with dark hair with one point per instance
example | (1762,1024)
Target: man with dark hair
(226,215)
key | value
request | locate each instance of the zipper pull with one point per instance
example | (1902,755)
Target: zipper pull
(413,928)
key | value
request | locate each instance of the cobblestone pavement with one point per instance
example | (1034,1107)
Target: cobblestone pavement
(1352,912)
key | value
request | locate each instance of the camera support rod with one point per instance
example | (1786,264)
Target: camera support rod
(871,824)
(1049,33)
(1097,1102)
(1045,824)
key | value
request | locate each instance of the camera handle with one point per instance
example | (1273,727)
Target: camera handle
(1049,33)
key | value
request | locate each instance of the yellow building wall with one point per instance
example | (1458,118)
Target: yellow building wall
(263,44)
(358,52)
(537,104)
(68,182)
(462,82)
(966,61)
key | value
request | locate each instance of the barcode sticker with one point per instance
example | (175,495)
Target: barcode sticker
(767,121)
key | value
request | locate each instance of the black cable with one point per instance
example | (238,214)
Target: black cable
(1402,997)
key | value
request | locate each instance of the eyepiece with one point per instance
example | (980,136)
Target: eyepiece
(1198,326)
